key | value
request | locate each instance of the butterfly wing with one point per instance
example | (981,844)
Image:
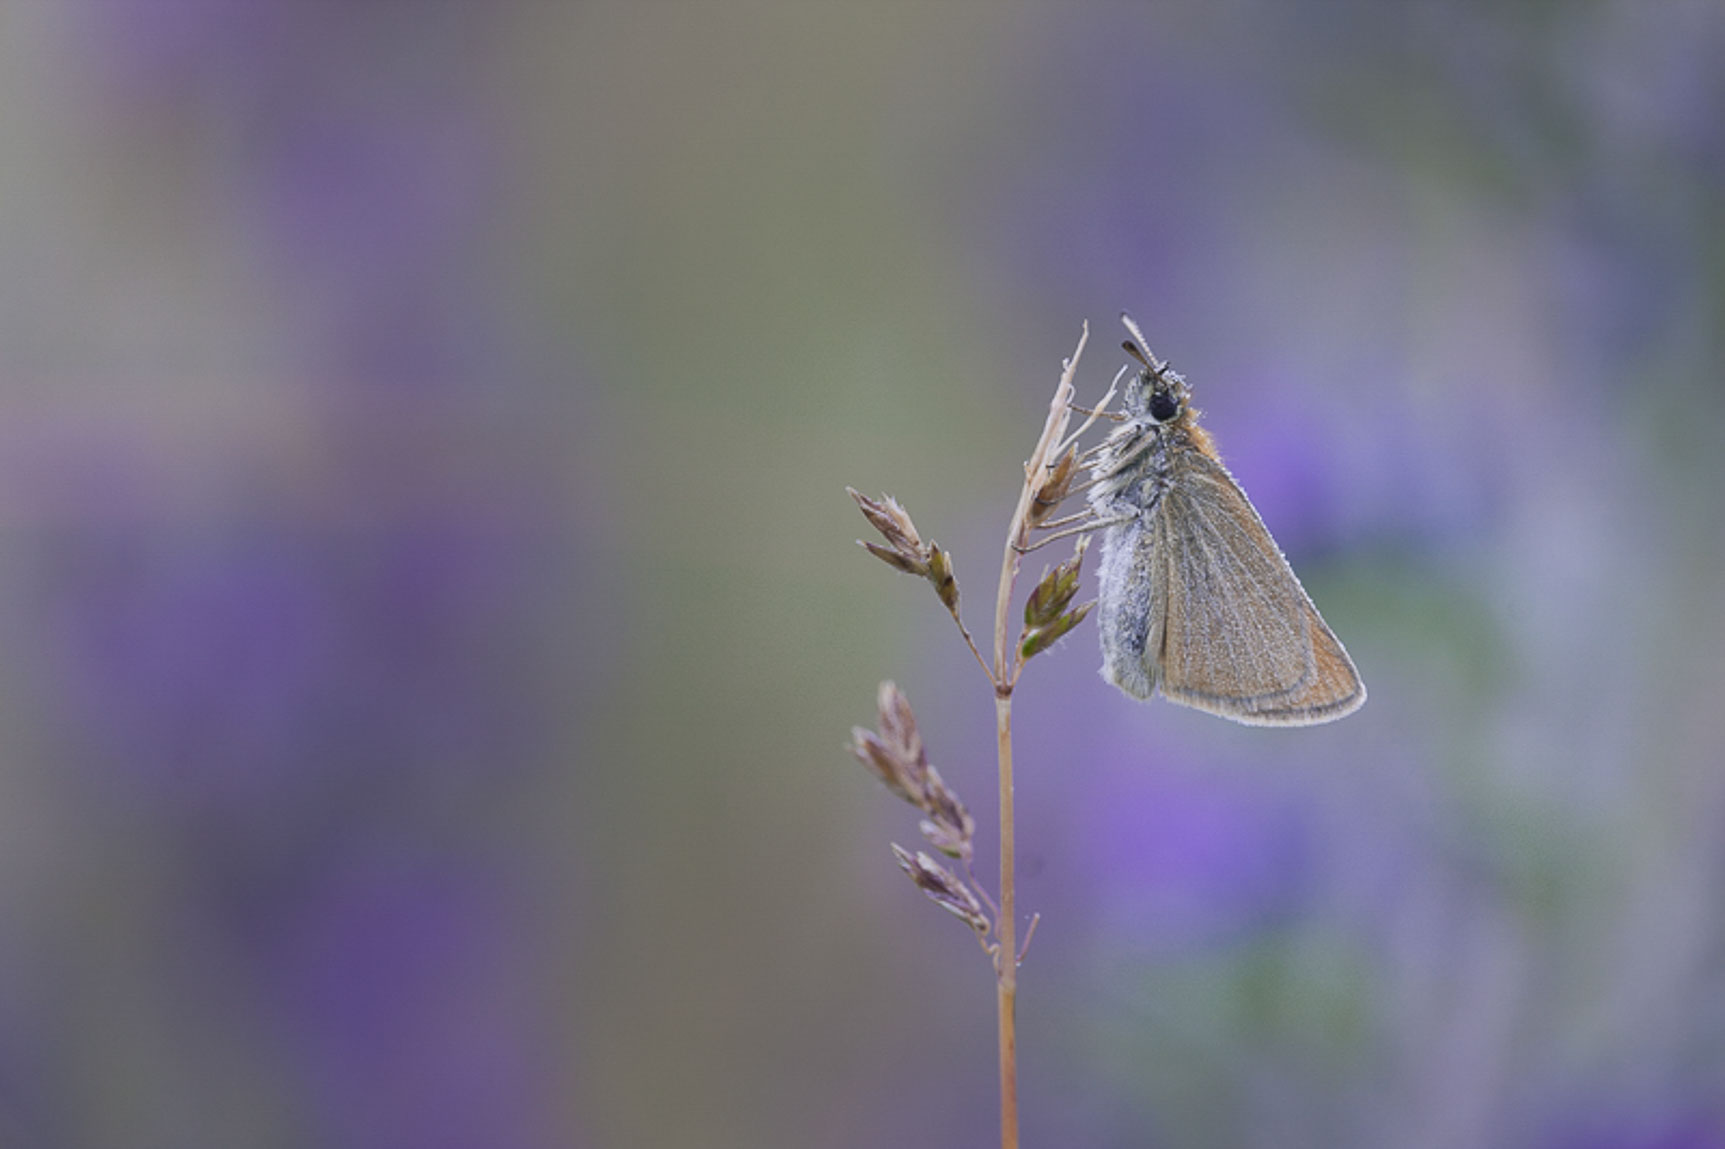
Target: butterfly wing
(1132,604)
(1238,636)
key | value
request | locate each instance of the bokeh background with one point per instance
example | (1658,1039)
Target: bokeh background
(432,622)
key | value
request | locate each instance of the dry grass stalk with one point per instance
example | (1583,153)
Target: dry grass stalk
(895,754)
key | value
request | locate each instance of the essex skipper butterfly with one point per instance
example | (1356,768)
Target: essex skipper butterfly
(1197,602)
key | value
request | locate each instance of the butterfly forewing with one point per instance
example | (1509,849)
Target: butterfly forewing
(1238,635)
(1232,631)
(1333,690)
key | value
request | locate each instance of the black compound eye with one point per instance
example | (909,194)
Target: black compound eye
(1164,406)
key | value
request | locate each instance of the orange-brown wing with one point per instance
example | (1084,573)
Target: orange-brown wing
(1239,636)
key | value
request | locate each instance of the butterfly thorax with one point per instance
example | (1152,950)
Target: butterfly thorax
(1136,461)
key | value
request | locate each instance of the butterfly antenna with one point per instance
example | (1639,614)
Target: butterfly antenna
(1141,349)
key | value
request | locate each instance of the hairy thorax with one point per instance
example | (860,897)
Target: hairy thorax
(1136,462)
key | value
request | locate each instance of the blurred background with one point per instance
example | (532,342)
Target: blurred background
(432,621)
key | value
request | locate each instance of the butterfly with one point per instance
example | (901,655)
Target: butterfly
(1196,601)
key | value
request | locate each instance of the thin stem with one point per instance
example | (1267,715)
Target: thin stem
(971,642)
(1006,957)
(1029,933)
(1005,675)
(1018,530)
(981,890)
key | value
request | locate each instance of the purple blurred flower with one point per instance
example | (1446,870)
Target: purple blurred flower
(370,215)
(361,147)
(1190,856)
(1278,452)
(177,46)
(311,669)
(1686,1130)
(249,656)
(1163,842)
(402,988)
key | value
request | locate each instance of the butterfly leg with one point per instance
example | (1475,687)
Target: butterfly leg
(1065,521)
(1100,411)
(1095,524)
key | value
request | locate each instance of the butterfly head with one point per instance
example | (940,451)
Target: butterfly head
(1156,391)
(1160,395)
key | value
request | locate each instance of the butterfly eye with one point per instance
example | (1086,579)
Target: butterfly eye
(1164,406)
